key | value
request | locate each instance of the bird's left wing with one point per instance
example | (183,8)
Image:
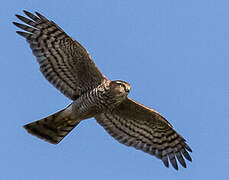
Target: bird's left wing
(136,125)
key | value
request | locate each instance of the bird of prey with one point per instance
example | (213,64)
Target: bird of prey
(66,64)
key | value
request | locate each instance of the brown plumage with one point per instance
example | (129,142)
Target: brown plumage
(68,66)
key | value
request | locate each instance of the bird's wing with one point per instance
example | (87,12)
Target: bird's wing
(63,61)
(145,129)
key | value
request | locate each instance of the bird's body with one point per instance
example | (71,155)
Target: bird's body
(69,67)
(103,98)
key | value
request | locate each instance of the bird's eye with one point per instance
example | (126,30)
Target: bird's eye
(120,86)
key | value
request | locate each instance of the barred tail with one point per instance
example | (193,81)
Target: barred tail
(54,127)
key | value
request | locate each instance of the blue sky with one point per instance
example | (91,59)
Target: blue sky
(173,53)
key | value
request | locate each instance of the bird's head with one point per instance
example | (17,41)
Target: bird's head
(120,88)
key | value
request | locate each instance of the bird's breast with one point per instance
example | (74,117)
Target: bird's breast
(94,102)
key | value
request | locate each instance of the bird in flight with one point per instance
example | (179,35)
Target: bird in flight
(66,64)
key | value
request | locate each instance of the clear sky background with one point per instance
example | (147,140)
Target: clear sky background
(175,54)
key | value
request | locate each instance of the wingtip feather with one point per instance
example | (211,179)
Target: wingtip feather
(23,34)
(41,16)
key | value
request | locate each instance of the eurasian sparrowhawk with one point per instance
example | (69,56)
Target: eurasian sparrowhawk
(69,67)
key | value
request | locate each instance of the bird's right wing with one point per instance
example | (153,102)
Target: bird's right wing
(136,125)
(63,61)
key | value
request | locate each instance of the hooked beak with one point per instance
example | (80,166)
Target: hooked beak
(128,89)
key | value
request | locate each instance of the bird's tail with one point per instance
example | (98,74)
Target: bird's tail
(54,127)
